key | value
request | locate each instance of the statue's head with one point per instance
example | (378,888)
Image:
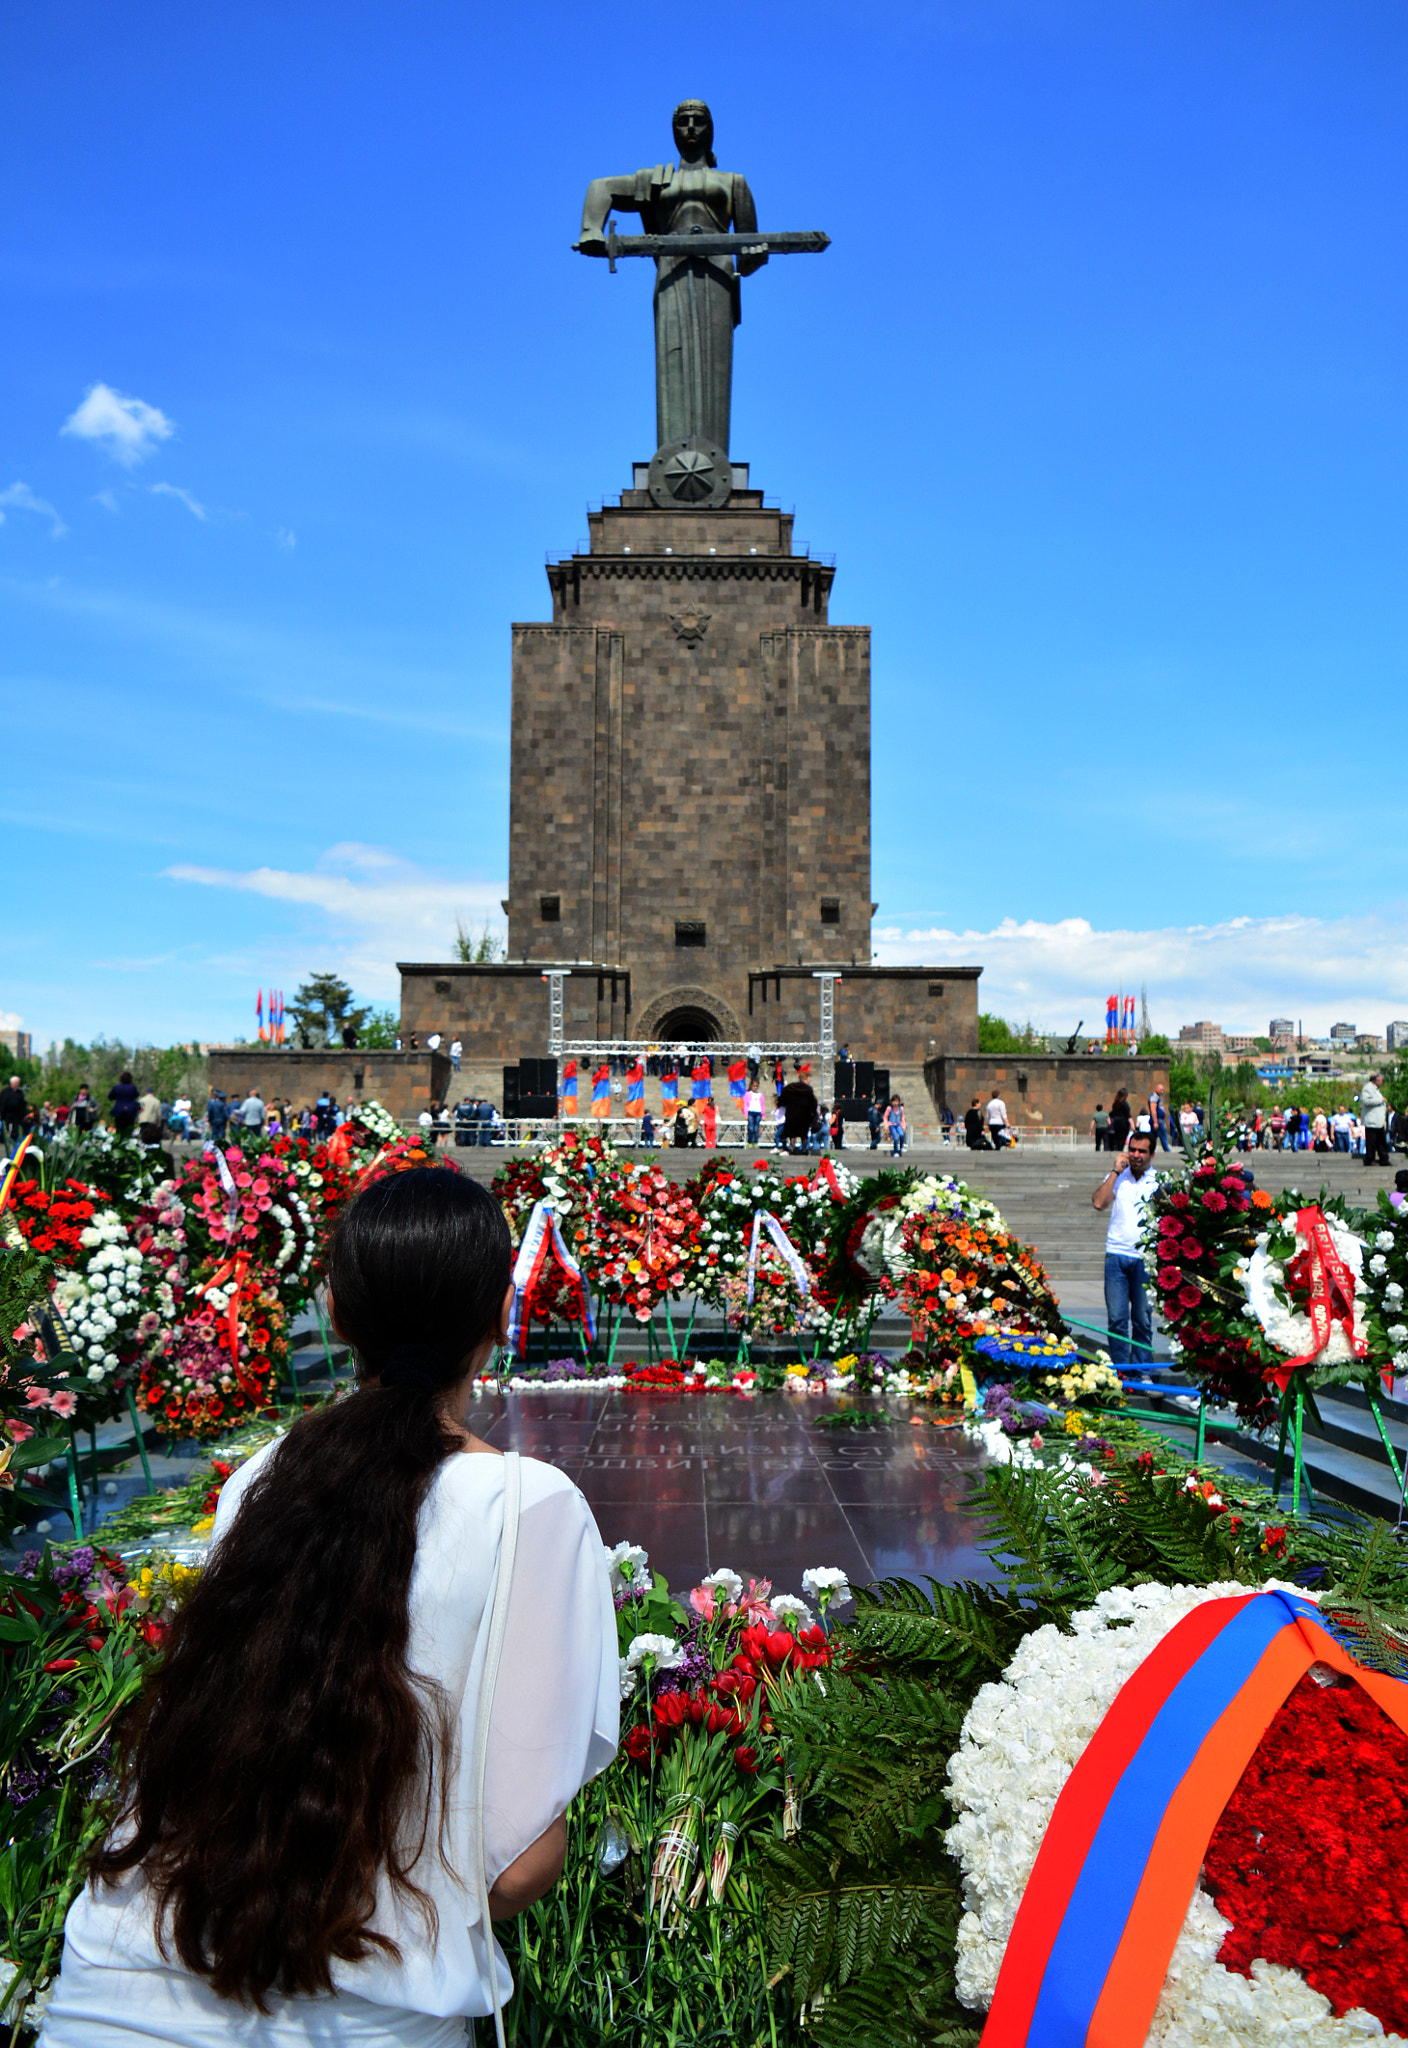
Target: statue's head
(694,132)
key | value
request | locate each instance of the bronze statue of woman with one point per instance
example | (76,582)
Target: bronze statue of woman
(696,297)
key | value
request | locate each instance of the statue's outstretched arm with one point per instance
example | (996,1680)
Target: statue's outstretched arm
(602,195)
(745,222)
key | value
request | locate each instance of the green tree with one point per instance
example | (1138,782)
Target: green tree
(324,1005)
(1156,1045)
(995,1034)
(381,1030)
(474,948)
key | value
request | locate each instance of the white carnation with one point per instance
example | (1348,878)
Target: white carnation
(664,1651)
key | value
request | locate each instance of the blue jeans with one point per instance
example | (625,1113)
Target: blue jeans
(1125,1297)
(755,1124)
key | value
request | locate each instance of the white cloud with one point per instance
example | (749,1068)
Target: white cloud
(22,499)
(286,540)
(369,908)
(127,428)
(1239,974)
(11,1020)
(108,499)
(192,505)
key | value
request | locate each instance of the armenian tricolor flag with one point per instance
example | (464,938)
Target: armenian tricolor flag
(1120,1858)
(738,1083)
(567,1093)
(670,1093)
(702,1085)
(259,1013)
(601,1091)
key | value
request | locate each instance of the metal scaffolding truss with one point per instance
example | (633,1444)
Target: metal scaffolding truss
(822,1048)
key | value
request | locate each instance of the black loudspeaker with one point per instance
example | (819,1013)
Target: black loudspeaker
(547,1081)
(854,1109)
(528,1078)
(536,1105)
(844,1085)
(880,1084)
(865,1078)
(510,1091)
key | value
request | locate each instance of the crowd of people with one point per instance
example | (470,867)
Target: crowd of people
(1368,1129)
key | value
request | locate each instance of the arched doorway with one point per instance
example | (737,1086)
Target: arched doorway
(687,1026)
(686,1014)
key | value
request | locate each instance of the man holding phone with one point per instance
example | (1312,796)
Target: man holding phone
(1125,1192)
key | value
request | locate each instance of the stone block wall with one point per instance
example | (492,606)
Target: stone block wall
(897,1016)
(1043,1087)
(404,1083)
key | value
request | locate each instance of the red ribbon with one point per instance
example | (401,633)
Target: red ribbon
(1330,1293)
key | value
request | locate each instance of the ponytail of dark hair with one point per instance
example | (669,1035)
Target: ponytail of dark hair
(274,1767)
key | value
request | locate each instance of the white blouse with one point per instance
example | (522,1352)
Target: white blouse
(553,1727)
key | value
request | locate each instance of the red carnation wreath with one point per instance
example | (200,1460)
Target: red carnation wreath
(1307,1861)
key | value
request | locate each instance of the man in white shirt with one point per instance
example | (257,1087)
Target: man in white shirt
(997,1121)
(456,1053)
(1125,1192)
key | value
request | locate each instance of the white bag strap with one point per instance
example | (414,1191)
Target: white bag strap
(498,1625)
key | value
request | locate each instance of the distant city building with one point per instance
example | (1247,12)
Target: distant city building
(1343,1031)
(1369,1041)
(1398,1035)
(1209,1036)
(20,1043)
(1238,1041)
(1282,1027)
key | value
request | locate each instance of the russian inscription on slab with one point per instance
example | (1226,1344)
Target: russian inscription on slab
(688,210)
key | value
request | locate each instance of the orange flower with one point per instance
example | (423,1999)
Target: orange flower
(1260,1199)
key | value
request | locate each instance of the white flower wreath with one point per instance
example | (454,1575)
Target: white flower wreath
(1287,1327)
(1021,1740)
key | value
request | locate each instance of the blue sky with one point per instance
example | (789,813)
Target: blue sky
(1098,397)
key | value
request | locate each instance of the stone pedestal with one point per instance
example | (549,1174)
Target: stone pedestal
(689,822)
(691,761)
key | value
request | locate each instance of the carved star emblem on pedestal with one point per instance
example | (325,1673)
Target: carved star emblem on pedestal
(689,475)
(690,626)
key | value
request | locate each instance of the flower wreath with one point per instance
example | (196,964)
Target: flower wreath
(1298,1929)
(1304,1286)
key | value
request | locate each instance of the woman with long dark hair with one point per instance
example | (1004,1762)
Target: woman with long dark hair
(302,1852)
(1121,1117)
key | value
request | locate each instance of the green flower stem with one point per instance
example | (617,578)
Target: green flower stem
(141,1440)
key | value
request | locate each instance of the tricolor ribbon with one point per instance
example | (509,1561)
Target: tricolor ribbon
(11,1171)
(1331,1293)
(764,1218)
(543,1240)
(567,1098)
(233,1271)
(1119,1862)
(827,1172)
